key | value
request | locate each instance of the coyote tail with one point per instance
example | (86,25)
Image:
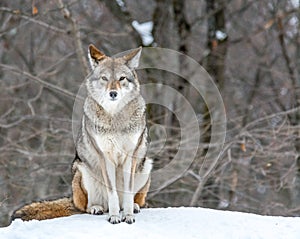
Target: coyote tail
(46,210)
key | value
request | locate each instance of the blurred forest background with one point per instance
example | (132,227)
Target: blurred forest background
(250,48)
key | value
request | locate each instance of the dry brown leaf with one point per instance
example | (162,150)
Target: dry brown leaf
(243,147)
(35,10)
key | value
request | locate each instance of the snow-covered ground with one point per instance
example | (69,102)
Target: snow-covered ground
(160,223)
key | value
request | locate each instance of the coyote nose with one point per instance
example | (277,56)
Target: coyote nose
(113,94)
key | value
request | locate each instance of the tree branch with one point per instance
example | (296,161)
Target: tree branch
(31,19)
(76,32)
(39,80)
(124,18)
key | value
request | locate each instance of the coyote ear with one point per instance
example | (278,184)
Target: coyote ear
(132,59)
(95,55)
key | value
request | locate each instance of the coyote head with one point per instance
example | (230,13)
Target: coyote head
(113,82)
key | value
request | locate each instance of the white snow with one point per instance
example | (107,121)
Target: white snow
(295,3)
(160,223)
(145,31)
(220,35)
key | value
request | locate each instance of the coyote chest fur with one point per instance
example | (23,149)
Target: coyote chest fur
(112,172)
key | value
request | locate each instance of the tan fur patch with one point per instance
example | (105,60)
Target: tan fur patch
(79,193)
(95,53)
(113,85)
(140,197)
(46,210)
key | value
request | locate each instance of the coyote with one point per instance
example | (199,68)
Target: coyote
(110,171)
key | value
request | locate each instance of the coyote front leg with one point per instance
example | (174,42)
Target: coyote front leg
(128,200)
(113,199)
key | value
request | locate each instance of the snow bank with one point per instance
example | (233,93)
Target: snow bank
(160,223)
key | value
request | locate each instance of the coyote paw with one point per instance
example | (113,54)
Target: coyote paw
(136,208)
(128,219)
(114,219)
(96,210)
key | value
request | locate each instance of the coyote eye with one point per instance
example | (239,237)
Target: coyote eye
(122,78)
(104,78)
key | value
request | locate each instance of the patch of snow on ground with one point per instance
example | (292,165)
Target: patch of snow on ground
(160,224)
